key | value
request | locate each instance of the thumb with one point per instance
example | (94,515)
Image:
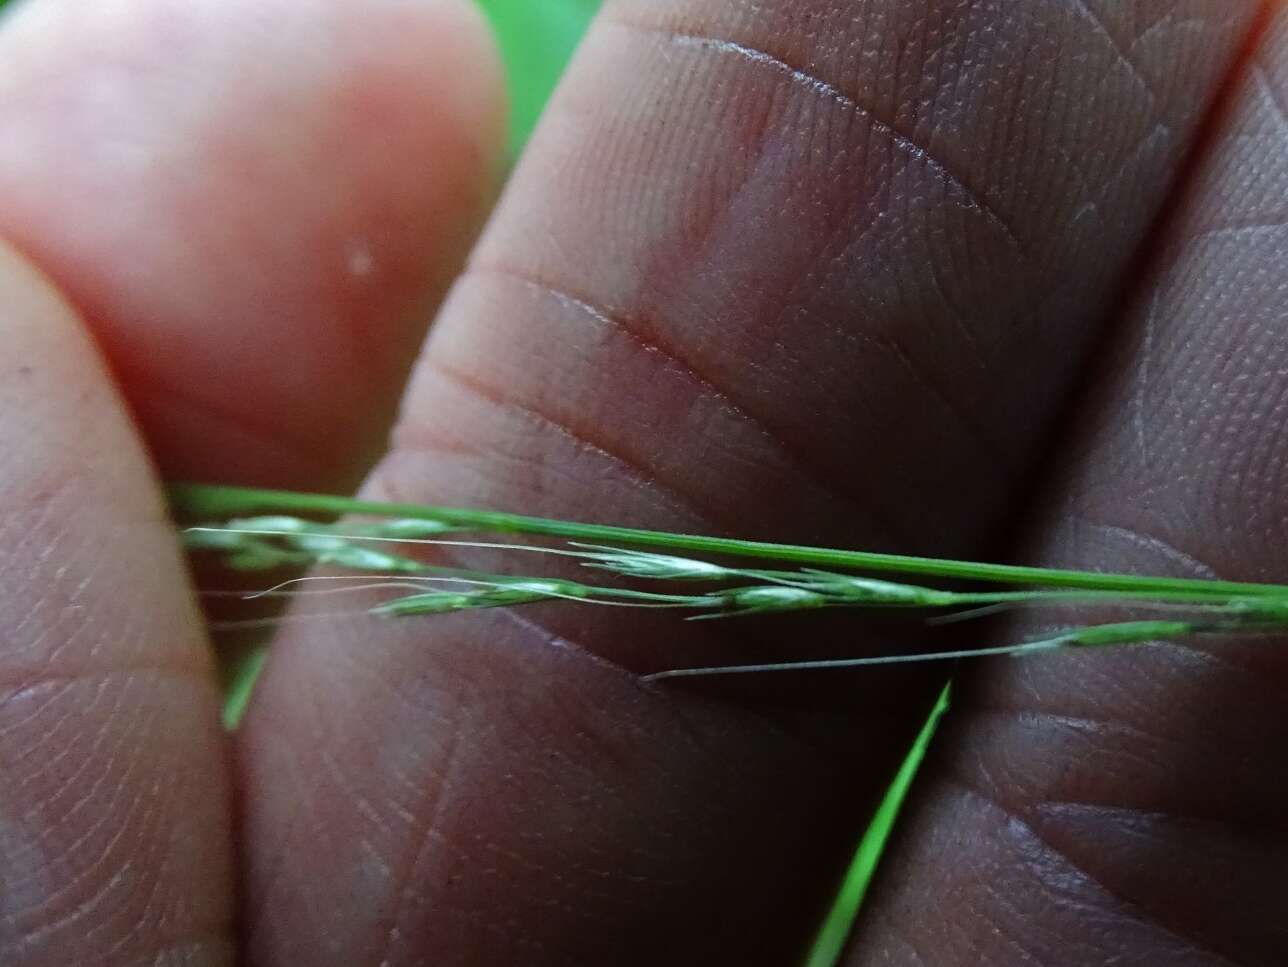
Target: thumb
(114,808)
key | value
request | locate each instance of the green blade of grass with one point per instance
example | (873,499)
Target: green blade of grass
(829,944)
(240,673)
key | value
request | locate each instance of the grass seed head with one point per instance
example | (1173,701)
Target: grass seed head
(773,597)
(643,564)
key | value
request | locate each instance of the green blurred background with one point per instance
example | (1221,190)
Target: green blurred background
(536,39)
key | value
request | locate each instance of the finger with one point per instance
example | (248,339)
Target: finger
(255,205)
(1129,806)
(774,270)
(114,832)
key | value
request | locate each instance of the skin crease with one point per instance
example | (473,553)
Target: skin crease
(858,256)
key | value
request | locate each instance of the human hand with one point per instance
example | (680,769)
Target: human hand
(904,276)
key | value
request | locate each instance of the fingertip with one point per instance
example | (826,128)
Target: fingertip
(256,207)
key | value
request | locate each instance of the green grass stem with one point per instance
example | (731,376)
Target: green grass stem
(203,501)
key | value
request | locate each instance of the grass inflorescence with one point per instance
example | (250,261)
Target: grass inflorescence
(258,530)
(372,545)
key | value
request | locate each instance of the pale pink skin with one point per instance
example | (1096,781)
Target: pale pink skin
(971,279)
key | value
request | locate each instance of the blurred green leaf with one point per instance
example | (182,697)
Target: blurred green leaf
(536,38)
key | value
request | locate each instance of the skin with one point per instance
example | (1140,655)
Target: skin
(965,279)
